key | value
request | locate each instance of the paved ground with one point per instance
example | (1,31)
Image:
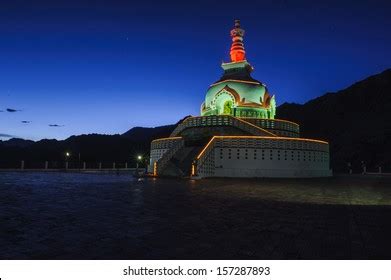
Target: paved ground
(82,216)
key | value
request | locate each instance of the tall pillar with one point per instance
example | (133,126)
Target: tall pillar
(22,164)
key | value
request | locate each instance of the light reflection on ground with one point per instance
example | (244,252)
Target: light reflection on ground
(343,190)
(108,216)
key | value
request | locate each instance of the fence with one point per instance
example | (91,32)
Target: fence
(64,165)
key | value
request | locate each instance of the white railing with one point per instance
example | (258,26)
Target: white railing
(222,120)
(179,127)
(277,126)
(162,162)
(251,128)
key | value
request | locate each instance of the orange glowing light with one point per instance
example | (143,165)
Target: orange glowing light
(238,81)
(237,52)
(155,168)
(241,118)
(206,146)
(276,120)
(237,55)
(259,128)
(167,138)
(259,137)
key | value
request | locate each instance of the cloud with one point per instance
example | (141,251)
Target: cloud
(56,125)
(25,121)
(9,110)
(5,135)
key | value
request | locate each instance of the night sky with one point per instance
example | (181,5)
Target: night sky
(77,67)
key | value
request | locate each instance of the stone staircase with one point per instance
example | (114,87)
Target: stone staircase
(180,163)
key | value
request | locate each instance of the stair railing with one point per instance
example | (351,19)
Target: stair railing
(202,157)
(179,127)
(251,128)
(162,162)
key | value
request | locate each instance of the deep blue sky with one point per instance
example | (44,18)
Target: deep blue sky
(106,66)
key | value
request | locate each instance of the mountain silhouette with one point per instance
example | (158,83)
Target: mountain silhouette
(148,134)
(356,121)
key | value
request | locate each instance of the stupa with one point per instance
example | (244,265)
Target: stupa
(236,93)
(237,134)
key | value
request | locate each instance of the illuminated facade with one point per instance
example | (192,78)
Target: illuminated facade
(237,134)
(236,93)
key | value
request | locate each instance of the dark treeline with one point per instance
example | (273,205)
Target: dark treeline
(91,148)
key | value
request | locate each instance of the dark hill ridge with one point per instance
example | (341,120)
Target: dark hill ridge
(356,121)
(92,148)
(148,134)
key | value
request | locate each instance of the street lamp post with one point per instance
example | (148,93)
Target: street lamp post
(67,155)
(139,158)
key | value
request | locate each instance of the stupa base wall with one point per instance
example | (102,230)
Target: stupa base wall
(267,173)
(257,156)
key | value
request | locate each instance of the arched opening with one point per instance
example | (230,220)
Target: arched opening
(224,103)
